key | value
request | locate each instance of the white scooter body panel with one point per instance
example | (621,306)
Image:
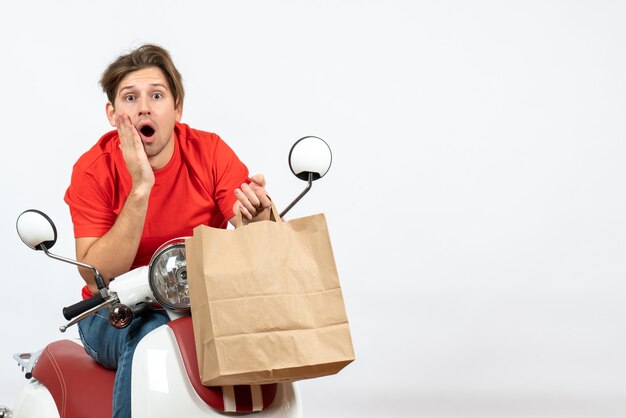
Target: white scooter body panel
(35,401)
(132,287)
(161,387)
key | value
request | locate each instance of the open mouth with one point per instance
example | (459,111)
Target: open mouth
(147,131)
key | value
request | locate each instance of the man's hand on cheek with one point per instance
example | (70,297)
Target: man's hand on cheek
(134,154)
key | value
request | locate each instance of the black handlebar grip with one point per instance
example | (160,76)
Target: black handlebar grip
(76,309)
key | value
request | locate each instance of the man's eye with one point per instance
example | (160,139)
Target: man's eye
(157,96)
(130,97)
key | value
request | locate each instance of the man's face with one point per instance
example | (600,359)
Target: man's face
(145,97)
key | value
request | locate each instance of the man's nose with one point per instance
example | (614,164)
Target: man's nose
(144,106)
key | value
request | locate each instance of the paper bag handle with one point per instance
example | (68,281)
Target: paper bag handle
(274,216)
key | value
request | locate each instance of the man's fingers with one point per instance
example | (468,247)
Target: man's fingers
(264,199)
(127,132)
(258,179)
(250,193)
(244,211)
(245,202)
(260,195)
(252,197)
(133,151)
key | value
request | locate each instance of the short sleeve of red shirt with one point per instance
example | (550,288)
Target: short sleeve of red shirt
(89,201)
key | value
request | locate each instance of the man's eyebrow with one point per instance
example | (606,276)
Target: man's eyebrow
(132,86)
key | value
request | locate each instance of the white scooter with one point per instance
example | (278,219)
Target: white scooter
(64,382)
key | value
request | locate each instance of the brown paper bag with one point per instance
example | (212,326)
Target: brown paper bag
(266,302)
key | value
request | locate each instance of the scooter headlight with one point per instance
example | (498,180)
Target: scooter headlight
(168,275)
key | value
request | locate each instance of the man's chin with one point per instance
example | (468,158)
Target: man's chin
(150,149)
(157,153)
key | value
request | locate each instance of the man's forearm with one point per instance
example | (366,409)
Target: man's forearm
(113,253)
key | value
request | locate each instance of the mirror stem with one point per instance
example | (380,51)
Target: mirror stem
(98,277)
(292,204)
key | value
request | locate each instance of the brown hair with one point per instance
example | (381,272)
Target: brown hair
(145,56)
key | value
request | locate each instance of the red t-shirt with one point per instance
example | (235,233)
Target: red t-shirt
(195,187)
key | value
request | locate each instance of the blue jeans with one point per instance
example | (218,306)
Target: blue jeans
(113,348)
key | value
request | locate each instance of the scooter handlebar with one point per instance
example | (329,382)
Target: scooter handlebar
(72,311)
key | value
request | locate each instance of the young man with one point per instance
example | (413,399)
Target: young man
(149,180)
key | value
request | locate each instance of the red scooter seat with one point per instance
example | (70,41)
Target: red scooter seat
(67,370)
(82,388)
(216,396)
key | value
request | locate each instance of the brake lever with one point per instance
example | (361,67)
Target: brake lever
(79,318)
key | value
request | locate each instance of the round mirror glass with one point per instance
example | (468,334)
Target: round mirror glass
(35,228)
(310,155)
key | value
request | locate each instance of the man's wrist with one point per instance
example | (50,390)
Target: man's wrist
(139,195)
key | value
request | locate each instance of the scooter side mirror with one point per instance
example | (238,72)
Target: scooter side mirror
(38,232)
(310,155)
(36,229)
(309,160)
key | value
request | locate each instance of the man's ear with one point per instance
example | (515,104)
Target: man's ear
(179,112)
(110,113)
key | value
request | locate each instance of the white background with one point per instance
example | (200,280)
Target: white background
(476,200)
